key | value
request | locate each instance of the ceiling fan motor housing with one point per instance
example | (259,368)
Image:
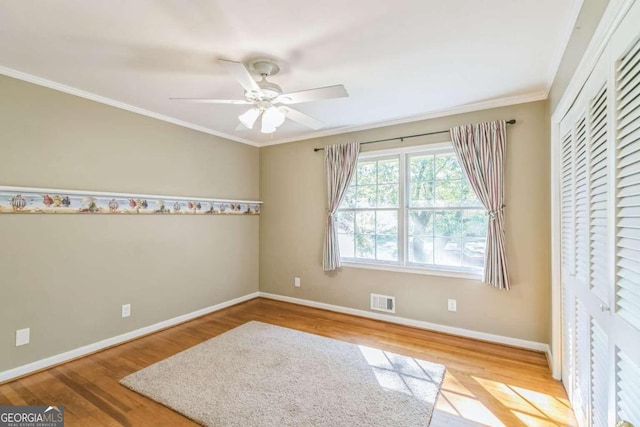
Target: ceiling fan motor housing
(270,90)
(265,67)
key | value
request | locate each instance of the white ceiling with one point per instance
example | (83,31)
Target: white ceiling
(399,60)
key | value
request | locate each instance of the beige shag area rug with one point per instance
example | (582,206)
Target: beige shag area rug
(264,375)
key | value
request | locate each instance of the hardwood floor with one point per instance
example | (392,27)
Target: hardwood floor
(486,384)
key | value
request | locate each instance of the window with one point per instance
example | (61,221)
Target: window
(412,208)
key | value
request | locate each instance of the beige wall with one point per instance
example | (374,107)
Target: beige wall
(291,233)
(586,24)
(66,277)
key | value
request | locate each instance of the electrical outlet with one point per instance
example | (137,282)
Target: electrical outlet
(126,310)
(452,305)
(296,282)
(22,336)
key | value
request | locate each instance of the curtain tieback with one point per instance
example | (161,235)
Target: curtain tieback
(494,214)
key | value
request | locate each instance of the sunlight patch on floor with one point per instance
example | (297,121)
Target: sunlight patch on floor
(458,404)
(400,373)
(452,384)
(531,407)
(531,421)
(469,408)
(556,409)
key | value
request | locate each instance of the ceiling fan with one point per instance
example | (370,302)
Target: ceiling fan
(267,99)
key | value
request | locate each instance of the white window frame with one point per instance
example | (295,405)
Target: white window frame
(403,265)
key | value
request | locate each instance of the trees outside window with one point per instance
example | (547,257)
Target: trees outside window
(412,209)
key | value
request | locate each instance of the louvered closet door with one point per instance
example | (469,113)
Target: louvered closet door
(575,262)
(625,318)
(585,236)
(599,185)
(599,375)
(599,142)
(598,293)
(568,255)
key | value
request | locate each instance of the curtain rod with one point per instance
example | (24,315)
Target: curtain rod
(402,138)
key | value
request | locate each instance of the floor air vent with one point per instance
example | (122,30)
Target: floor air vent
(383,303)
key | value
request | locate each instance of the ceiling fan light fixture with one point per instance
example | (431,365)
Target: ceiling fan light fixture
(267,129)
(249,117)
(272,117)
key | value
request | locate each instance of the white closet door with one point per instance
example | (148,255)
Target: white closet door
(600,233)
(599,187)
(599,292)
(568,253)
(625,345)
(582,391)
(628,186)
(599,376)
(586,224)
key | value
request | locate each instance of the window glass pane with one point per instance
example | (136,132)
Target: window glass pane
(388,171)
(387,222)
(349,200)
(447,167)
(448,251)
(365,222)
(387,248)
(420,222)
(421,168)
(421,194)
(365,246)
(448,223)
(345,222)
(448,193)
(366,196)
(387,196)
(421,250)
(366,172)
(474,250)
(346,244)
(469,197)
(474,223)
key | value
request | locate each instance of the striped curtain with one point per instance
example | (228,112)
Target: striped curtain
(480,148)
(340,163)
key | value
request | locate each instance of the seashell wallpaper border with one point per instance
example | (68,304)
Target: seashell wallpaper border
(24,200)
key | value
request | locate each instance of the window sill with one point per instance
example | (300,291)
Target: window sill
(415,270)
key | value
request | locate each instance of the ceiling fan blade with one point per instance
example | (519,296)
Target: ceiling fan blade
(317,94)
(212,101)
(302,118)
(241,127)
(241,74)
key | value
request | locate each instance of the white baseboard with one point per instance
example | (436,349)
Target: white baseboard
(109,342)
(468,333)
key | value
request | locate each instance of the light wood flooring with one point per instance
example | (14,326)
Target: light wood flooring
(486,384)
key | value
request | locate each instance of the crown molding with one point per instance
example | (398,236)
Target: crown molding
(468,108)
(9,72)
(484,105)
